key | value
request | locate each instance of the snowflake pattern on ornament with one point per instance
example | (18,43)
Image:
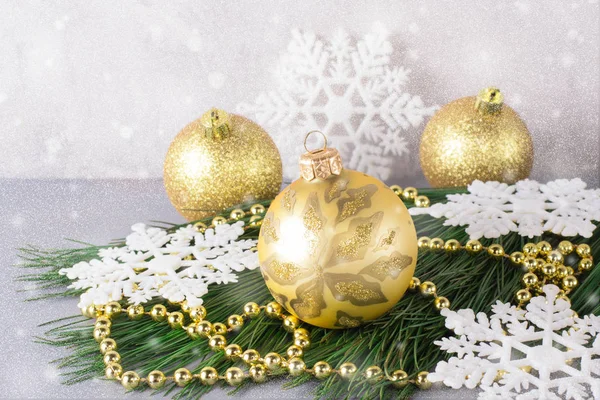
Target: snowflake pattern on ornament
(492,209)
(347,89)
(544,352)
(155,263)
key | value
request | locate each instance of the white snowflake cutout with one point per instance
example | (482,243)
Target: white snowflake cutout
(155,263)
(492,209)
(347,89)
(545,352)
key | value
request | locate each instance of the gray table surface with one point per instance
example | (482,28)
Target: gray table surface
(44,213)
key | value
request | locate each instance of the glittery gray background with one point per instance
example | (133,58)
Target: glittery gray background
(99,89)
(44,213)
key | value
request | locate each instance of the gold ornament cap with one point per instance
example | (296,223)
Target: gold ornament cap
(321,163)
(216,123)
(489,100)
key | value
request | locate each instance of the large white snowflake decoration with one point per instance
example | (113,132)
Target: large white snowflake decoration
(540,353)
(347,89)
(492,209)
(154,263)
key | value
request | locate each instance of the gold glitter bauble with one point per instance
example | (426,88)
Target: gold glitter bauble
(337,247)
(218,161)
(476,138)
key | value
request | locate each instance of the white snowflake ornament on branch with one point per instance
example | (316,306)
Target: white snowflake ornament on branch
(155,263)
(492,209)
(347,89)
(544,352)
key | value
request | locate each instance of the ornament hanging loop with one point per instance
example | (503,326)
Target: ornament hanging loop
(318,150)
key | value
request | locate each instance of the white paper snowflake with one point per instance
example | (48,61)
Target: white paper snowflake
(347,89)
(176,266)
(540,353)
(493,209)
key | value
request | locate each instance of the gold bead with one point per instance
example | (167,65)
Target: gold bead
(290,323)
(101,333)
(237,214)
(130,380)
(565,247)
(523,296)
(585,264)
(252,310)
(517,257)
(111,357)
(234,376)
(373,373)
(156,379)
(496,250)
(107,345)
(296,366)
(233,351)
(530,279)
(436,244)
(89,311)
(200,227)
(209,376)
(197,313)
(218,220)
(531,250)
(204,328)
(396,189)
(301,332)
(182,377)
(549,270)
(113,371)
(410,193)
(544,248)
(423,242)
(251,356)
(422,380)
(217,342)
(422,201)
(399,378)
(569,282)
(452,246)
(256,221)
(302,342)
(103,321)
(294,351)
(273,310)
(235,321)
(561,271)
(555,257)
(474,246)
(185,307)
(427,288)
(530,263)
(175,320)
(570,271)
(322,370)
(219,328)
(441,302)
(414,284)
(258,373)
(135,312)
(347,370)
(564,297)
(257,209)
(272,360)
(158,312)
(112,309)
(583,250)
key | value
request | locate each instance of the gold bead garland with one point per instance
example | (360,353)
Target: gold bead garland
(543,263)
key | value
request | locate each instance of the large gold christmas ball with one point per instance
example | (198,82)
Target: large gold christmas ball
(218,161)
(476,138)
(337,247)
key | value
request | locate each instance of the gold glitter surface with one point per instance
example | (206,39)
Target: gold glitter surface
(386,240)
(204,175)
(349,247)
(388,266)
(286,271)
(336,190)
(269,228)
(357,200)
(356,290)
(461,144)
(310,300)
(288,200)
(348,322)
